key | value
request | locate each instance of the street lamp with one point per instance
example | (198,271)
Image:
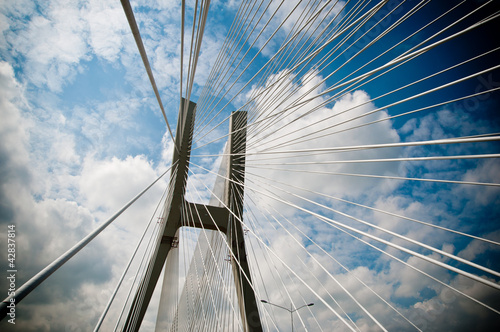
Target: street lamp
(291,310)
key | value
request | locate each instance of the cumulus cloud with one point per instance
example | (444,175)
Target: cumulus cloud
(40,223)
(296,129)
(13,151)
(425,302)
(55,40)
(57,58)
(107,184)
(55,196)
(107,28)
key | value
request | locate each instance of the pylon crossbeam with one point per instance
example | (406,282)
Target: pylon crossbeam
(208,217)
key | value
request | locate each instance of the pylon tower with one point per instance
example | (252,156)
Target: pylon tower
(225,219)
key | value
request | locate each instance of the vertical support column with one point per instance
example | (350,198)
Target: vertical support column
(234,200)
(171,216)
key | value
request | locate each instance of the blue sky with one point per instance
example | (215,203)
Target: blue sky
(81,133)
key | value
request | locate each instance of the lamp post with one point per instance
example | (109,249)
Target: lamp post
(291,310)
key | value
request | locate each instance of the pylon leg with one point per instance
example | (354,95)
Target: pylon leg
(234,201)
(171,216)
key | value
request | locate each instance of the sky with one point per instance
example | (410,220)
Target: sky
(81,133)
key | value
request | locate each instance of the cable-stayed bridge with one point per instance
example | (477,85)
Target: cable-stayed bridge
(337,171)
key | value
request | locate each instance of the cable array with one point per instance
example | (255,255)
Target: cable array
(336,162)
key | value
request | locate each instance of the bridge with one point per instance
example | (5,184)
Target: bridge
(336,171)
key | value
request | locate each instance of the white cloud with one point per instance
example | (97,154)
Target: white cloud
(487,172)
(108,184)
(449,310)
(475,248)
(54,204)
(53,44)
(12,127)
(296,126)
(45,227)
(60,36)
(108,28)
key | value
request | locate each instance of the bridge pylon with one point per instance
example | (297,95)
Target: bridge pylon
(224,218)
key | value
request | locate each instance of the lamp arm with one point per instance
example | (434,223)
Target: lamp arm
(305,305)
(279,306)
